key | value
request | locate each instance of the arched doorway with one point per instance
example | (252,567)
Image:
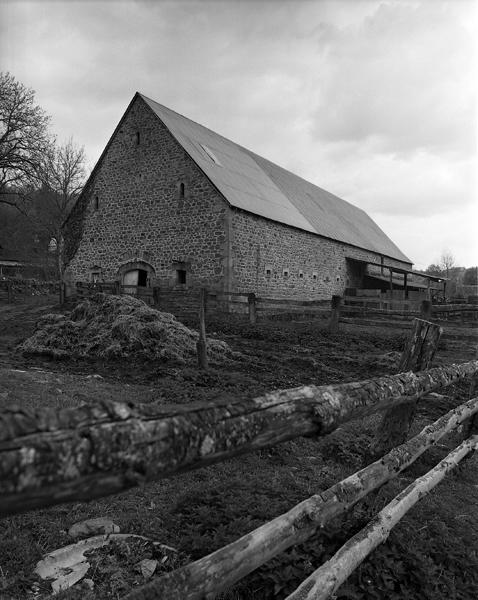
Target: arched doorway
(138,277)
(134,274)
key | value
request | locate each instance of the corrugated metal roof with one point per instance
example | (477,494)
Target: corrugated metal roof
(252,183)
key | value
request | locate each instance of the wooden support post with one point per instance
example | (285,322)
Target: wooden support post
(429,293)
(201,344)
(9,292)
(417,356)
(156,295)
(405,288)
(335,314)
(251,299)
(426,310)
(391,282)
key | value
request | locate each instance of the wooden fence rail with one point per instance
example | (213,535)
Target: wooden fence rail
(186,302)
(330,576)
(213,573)
(49,456)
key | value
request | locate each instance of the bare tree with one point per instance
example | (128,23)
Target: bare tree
(447,262)
(24,140)
(62,174)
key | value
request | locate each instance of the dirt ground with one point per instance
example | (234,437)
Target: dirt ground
(201,511)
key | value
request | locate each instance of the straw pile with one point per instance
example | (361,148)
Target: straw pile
(117,327)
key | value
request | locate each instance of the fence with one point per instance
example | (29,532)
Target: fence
(186,303)
(27,290)
(49,456)
(407,309)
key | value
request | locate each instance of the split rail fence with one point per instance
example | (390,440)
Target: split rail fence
(50,456)
(186,303)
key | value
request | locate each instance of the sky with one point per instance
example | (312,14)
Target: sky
(372,100)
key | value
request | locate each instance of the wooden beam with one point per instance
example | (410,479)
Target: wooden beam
(208,576)
(201,344)
(335,314)
(49,456)
(329,577)
(251,300)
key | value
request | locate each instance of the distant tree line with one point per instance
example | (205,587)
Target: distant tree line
(40,178)
(458,277)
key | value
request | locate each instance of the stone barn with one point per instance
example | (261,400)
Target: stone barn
(173,204)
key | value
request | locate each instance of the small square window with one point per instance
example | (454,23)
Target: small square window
(301,274)
(180,276)
(268,272)
(97,203)
(314,275)
(95,276)
(285,272)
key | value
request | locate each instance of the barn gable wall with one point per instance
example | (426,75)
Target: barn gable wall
(141,215)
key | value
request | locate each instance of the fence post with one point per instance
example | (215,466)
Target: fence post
(201,344)
(426,310)
(156,295)
(417,356)
(334,316)
(251,299)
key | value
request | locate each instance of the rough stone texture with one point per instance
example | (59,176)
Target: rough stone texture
(131,215)
(141,215)
(260,245)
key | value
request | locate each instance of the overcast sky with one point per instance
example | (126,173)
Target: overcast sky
(374,101)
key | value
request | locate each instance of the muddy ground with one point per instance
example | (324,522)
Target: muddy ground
(199,512)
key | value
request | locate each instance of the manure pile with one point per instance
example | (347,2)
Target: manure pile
(115,327)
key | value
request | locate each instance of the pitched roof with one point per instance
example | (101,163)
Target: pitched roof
(254,184)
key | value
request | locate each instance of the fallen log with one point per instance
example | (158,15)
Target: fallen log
(49,456)
(219,570)
(329,577)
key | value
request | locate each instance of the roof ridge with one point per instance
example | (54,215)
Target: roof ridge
(244,177)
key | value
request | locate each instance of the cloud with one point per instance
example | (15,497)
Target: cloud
(402,80)
(372,100)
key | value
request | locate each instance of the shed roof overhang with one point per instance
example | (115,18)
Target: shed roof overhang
(398,269)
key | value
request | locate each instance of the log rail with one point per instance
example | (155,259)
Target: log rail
(49,457)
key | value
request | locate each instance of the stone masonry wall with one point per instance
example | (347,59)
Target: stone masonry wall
(132,210)
(316,267)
